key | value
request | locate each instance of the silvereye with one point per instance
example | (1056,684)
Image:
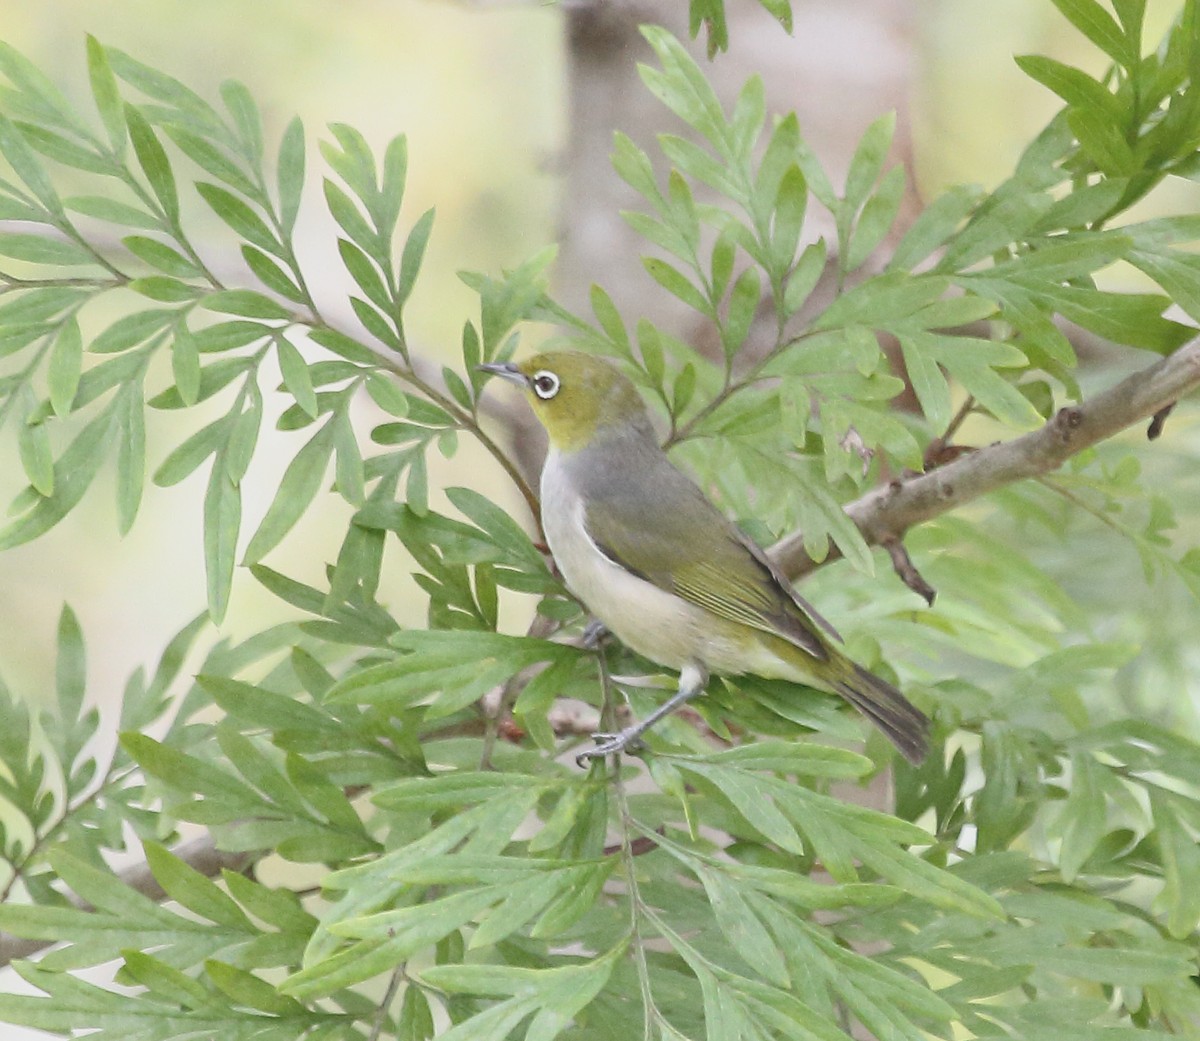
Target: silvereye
(662,568)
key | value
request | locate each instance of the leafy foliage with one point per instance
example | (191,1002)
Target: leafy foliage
(1034,879)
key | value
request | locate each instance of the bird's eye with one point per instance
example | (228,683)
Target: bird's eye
(545,385)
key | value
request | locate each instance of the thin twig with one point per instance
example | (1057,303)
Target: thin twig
(388,997)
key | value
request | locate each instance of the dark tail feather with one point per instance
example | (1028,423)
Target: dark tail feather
(906,726)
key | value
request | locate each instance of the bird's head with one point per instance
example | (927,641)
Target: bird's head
(576,396)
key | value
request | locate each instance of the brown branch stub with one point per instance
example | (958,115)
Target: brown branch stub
(890,510)
(907,570)
(1159,421)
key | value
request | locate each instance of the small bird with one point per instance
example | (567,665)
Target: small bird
(649,555)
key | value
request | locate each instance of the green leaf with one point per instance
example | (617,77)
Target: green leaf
(73,473)
(189,888)
(676,283)
(290,173)
(132,329)
(271,274)
(365,274)
(877,217)
(883,301)
(1074,86)
(246,304)
(1101,28)
(352,222)
(159,255)
(634,168)
(743,305)
(64,149)
(804,277)
(240,217)
(412,255)
(743,929)
(1178,273)
(973,362)
(1181,866)
(33,445)
(153,161)
(928,383)
(213,161)
(682,87)
(185,364)
(111,210)
(164,88)
(790,206)
(39,249)
(164,290)
(222,521)
(241,105)
(453,668)
(65,366)
(131,456)
(107,96)
(300,483)
(296,377)
(71,666)
(936,223)
(867,162)
(27,166)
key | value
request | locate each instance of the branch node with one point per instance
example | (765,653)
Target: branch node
(1067,420)
(907,570)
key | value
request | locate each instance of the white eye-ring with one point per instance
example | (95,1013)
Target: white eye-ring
(545,384)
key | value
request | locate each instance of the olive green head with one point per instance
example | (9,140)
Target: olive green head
(575,396)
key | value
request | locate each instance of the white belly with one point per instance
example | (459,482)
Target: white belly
(657,624)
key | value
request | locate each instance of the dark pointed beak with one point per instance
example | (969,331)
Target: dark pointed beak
(506,370)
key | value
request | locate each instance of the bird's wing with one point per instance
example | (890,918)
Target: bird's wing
(680,542)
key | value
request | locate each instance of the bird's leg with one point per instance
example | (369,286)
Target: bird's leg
(692,680)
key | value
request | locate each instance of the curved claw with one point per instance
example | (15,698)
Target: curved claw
(610,744)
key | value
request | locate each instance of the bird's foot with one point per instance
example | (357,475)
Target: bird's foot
(593,634)
(629,740)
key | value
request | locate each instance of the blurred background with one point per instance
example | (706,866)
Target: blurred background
(493,100)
